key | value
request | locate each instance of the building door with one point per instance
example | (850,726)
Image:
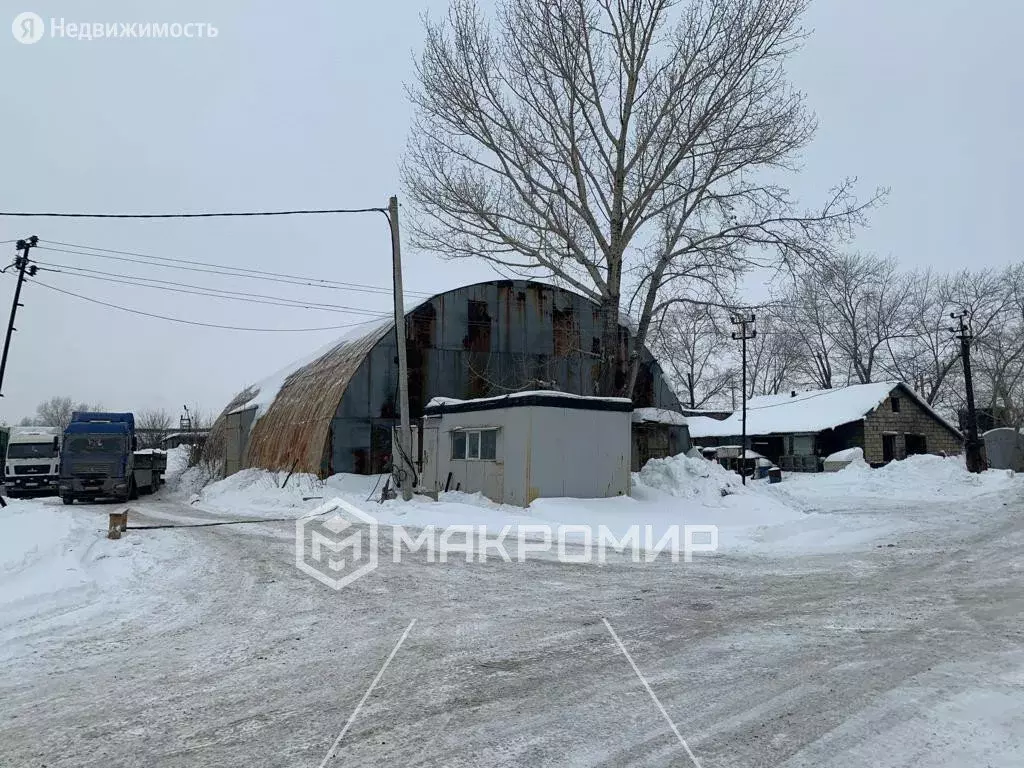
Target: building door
(888,448)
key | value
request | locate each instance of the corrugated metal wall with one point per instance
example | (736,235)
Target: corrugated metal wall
(236,437)
(482,340)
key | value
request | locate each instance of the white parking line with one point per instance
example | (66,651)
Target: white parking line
(654,698)
(366,695)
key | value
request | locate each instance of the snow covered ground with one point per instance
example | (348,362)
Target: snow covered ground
(861,618)
(806,514)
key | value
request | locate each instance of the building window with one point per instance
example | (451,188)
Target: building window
(895,404)
(915,444)
(475,444)
(803,445)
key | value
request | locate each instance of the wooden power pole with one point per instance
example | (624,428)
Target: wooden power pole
(743,321)
(402,462)
(975,462)
(22,263)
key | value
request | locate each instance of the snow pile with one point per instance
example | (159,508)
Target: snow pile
(914,479)
(50,554)
(691,478)
(177,461)
(676,491)
(255,492)
(815,512)
(850,454)
(23,551)
(181,479)
(927,475)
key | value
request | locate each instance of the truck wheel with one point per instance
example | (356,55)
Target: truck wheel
(67,498)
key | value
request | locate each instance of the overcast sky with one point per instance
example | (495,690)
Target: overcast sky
(302,105)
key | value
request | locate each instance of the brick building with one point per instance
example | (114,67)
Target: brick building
(796,430)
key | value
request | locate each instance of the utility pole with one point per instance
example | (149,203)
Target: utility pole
(975,463)
(405,434)
(22,263)
(743,321)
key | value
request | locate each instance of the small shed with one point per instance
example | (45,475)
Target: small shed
(523,446)
(657,434)
(1004,448)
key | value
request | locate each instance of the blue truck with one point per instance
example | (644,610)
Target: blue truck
(100,459)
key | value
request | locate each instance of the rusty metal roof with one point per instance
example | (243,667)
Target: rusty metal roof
(292,431)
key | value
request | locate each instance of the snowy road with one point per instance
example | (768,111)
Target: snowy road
(222,653)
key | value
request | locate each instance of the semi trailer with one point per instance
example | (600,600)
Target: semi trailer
(100,459)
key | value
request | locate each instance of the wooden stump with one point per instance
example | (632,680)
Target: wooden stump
(118,524)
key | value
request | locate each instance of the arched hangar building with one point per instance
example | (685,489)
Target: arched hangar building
(334,411)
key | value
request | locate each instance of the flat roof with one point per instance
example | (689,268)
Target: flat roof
(538,398)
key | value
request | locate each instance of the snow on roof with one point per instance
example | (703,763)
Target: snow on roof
(812,411)
(628,323)
(34,431)
(187,433)
(267,389)
(659,415)
(733,452)
(439,401)
(705,426)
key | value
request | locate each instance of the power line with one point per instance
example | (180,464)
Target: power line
(230,271)
(196,322)
(344,283)
(204,215)
(200,290)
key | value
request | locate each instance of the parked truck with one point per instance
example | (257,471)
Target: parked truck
(32,461)
(100,459)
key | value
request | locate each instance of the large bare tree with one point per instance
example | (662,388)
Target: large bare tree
(616,147)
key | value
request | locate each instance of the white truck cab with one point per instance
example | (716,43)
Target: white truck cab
(32,464)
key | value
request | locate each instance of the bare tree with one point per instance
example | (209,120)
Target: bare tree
(808,319)
(690,343)
(849,311)
(154,419)
(616,146)
(56,412)
(930,359)
(927,357)
(772,357)
(997,327)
